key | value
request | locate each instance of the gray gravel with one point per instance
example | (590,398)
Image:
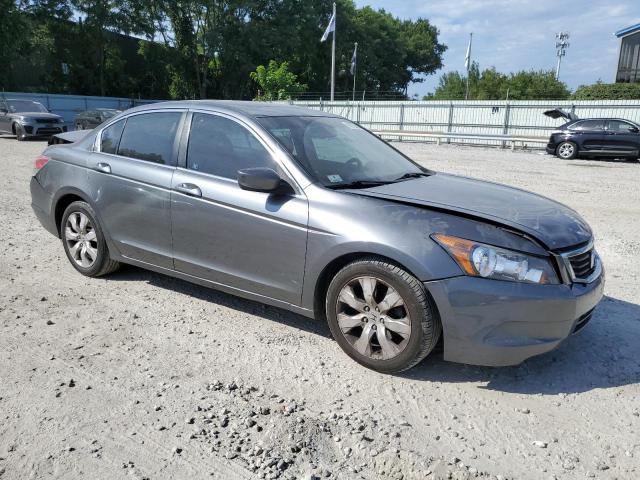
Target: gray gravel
(138,375)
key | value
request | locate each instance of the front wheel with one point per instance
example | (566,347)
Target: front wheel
(567,150)
(84,241)
(381,315)
(20,133)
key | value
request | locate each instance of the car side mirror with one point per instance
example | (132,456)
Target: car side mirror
(261,180)
(634,129)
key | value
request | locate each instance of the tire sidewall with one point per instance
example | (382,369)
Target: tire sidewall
(19,132)
(573,155)
(103,252)
(414,307)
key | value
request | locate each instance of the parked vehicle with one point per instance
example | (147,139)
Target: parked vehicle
(596,137)
(26,118)
(90,119)
(308,211)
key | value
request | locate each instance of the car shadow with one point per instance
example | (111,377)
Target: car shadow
(275,314)
(603,355)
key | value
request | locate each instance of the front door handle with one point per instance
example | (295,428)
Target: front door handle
(189,189)
(103,167)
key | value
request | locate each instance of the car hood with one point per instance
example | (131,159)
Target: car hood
(551,223)
(36,115)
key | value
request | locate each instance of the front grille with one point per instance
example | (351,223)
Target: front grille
(47,120)
(582,264)
(582,321)
(48,131)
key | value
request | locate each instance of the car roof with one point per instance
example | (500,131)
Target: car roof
(246,108)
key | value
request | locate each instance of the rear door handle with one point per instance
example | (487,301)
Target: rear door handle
(189,189)
(103,167)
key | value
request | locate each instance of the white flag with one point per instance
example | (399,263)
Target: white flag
(330,28)
(467,58)
(354,59)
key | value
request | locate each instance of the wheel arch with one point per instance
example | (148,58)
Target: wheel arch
(334,266)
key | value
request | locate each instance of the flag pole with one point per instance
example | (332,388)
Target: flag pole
(355,69)
(333,54)
(468,61)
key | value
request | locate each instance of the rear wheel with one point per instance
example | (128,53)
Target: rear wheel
(381,315)
(567,150)
(84,241)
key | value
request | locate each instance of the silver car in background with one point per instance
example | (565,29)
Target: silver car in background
(308,211)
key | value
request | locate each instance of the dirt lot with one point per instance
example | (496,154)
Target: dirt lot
(142,376)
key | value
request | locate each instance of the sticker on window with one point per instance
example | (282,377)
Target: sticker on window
(334,178)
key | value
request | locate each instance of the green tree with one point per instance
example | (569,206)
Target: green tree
(276,82)
(608,91)
(490,84)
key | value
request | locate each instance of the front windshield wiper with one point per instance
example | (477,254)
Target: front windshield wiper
(359,184)
(407,176)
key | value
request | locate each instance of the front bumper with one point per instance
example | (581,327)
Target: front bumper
(497,323)
(551,148)
(33,130)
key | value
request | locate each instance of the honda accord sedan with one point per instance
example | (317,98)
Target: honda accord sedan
(308,211)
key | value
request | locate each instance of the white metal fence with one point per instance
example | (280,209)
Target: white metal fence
(486,117)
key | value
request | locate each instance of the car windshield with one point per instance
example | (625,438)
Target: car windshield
(339,153)
(16,106)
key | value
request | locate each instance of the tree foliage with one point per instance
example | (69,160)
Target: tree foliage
(276,82)
(608,91)
(490,84)
(207,48)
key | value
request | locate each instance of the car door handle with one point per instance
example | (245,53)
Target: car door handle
(189,189)
(103,167)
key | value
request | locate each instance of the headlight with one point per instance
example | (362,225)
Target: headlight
(480,260)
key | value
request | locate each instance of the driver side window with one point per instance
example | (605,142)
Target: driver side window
(220,146)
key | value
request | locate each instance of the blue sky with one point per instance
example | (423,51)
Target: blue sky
(514,35)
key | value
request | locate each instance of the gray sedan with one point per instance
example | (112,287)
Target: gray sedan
(310,212)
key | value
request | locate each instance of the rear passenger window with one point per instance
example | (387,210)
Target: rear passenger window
(110,137)
(150,137)
(588,125)
(221,147)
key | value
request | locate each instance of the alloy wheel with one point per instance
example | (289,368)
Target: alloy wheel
(81,239)
(566,150)
(373,317)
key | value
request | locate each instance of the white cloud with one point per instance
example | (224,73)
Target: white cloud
(516,34)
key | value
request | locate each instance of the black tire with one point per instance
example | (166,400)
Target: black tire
(103,264)
(423,316)
(20,133)
(570,148)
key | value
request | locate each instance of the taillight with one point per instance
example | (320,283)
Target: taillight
(41,161)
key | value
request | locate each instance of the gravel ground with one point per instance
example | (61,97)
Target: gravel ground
(138,375)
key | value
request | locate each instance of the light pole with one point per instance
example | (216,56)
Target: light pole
(561,49)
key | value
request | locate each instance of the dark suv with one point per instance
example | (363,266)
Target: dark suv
(596,137)
(92,118)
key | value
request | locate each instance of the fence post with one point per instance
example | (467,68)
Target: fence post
(358,113)
(401,120)
(505,126)
(450,121)
(321,105)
